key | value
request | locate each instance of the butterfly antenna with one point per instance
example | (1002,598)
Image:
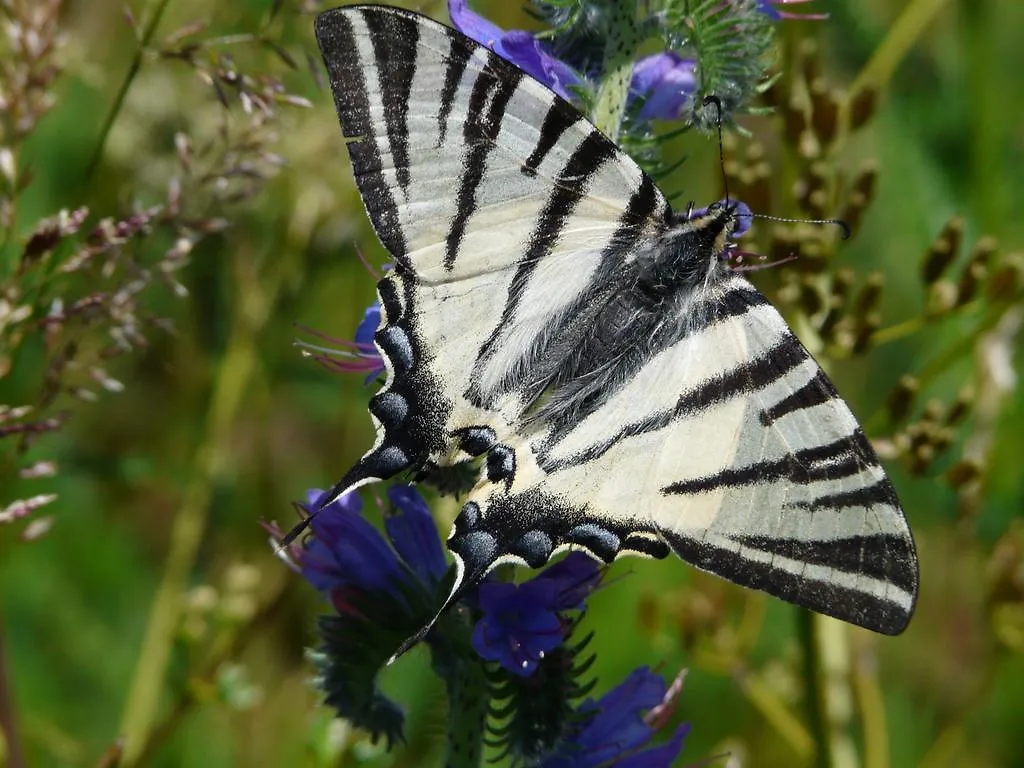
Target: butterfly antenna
(712,99)
(838,222)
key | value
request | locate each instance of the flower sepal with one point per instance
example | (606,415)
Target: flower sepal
(347,663)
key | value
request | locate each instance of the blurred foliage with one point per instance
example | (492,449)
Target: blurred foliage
(153,406)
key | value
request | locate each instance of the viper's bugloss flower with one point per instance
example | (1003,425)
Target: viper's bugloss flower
(523,622)
(665,82)
(367,356)
(382,590)
(619,726)
(517,46)
(729,46)
(357,356)
(346,556)
(414,534)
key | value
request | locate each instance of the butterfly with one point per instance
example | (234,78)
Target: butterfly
(550,317)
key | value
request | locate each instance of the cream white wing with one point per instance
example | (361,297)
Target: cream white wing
(731,448)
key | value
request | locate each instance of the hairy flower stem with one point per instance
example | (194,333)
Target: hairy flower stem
(467,713)
(902,36)
(619,56)
(129,78)
(257,294)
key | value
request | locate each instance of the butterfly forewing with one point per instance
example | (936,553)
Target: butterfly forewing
(548,313)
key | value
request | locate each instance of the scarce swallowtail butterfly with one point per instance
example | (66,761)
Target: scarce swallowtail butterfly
(549,315)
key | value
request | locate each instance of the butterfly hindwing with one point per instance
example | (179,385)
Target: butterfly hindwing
(547,312)
(731,446)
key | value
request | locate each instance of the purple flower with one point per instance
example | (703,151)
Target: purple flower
(666,82)
(621,723)
(368,325)
(349,560)
(367,356)
(414,534)
(522,622)
(382,590)
(357,356)
(516,46)
(767,7)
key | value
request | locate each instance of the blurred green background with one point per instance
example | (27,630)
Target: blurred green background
(222,421)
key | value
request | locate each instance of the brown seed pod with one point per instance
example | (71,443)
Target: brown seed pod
(943,250)
(902,397)
(862,106)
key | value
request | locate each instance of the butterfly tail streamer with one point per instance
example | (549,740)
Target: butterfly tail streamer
(465,579)
(375,466)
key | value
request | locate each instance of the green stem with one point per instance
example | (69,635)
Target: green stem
(186,703)
(468,701)
(129,78)
(15,755)
(778,716)
(826,656)
(624,39)
(897,43)
(871,705)
(256,296)
(988,135)
(814,687)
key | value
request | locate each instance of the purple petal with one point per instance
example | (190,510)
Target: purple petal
(666,81)
(347,551)
(519,47)
(349,500)
(766,7)
(568,582)
(473,25)
(662,756)
(619,726)
(743,218)
(514,631)
(526,52)
(368,325)
(414,534)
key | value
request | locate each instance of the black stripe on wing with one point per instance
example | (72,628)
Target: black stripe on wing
(583,165)
(493,88)
(543,358)
(832,598)
(458,60)
(394,41)
(881,492)
(347,70)
(841,458)
(879,556)
(560,117)
(746,378)
(817,391)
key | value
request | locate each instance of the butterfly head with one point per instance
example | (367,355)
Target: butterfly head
(713,230)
